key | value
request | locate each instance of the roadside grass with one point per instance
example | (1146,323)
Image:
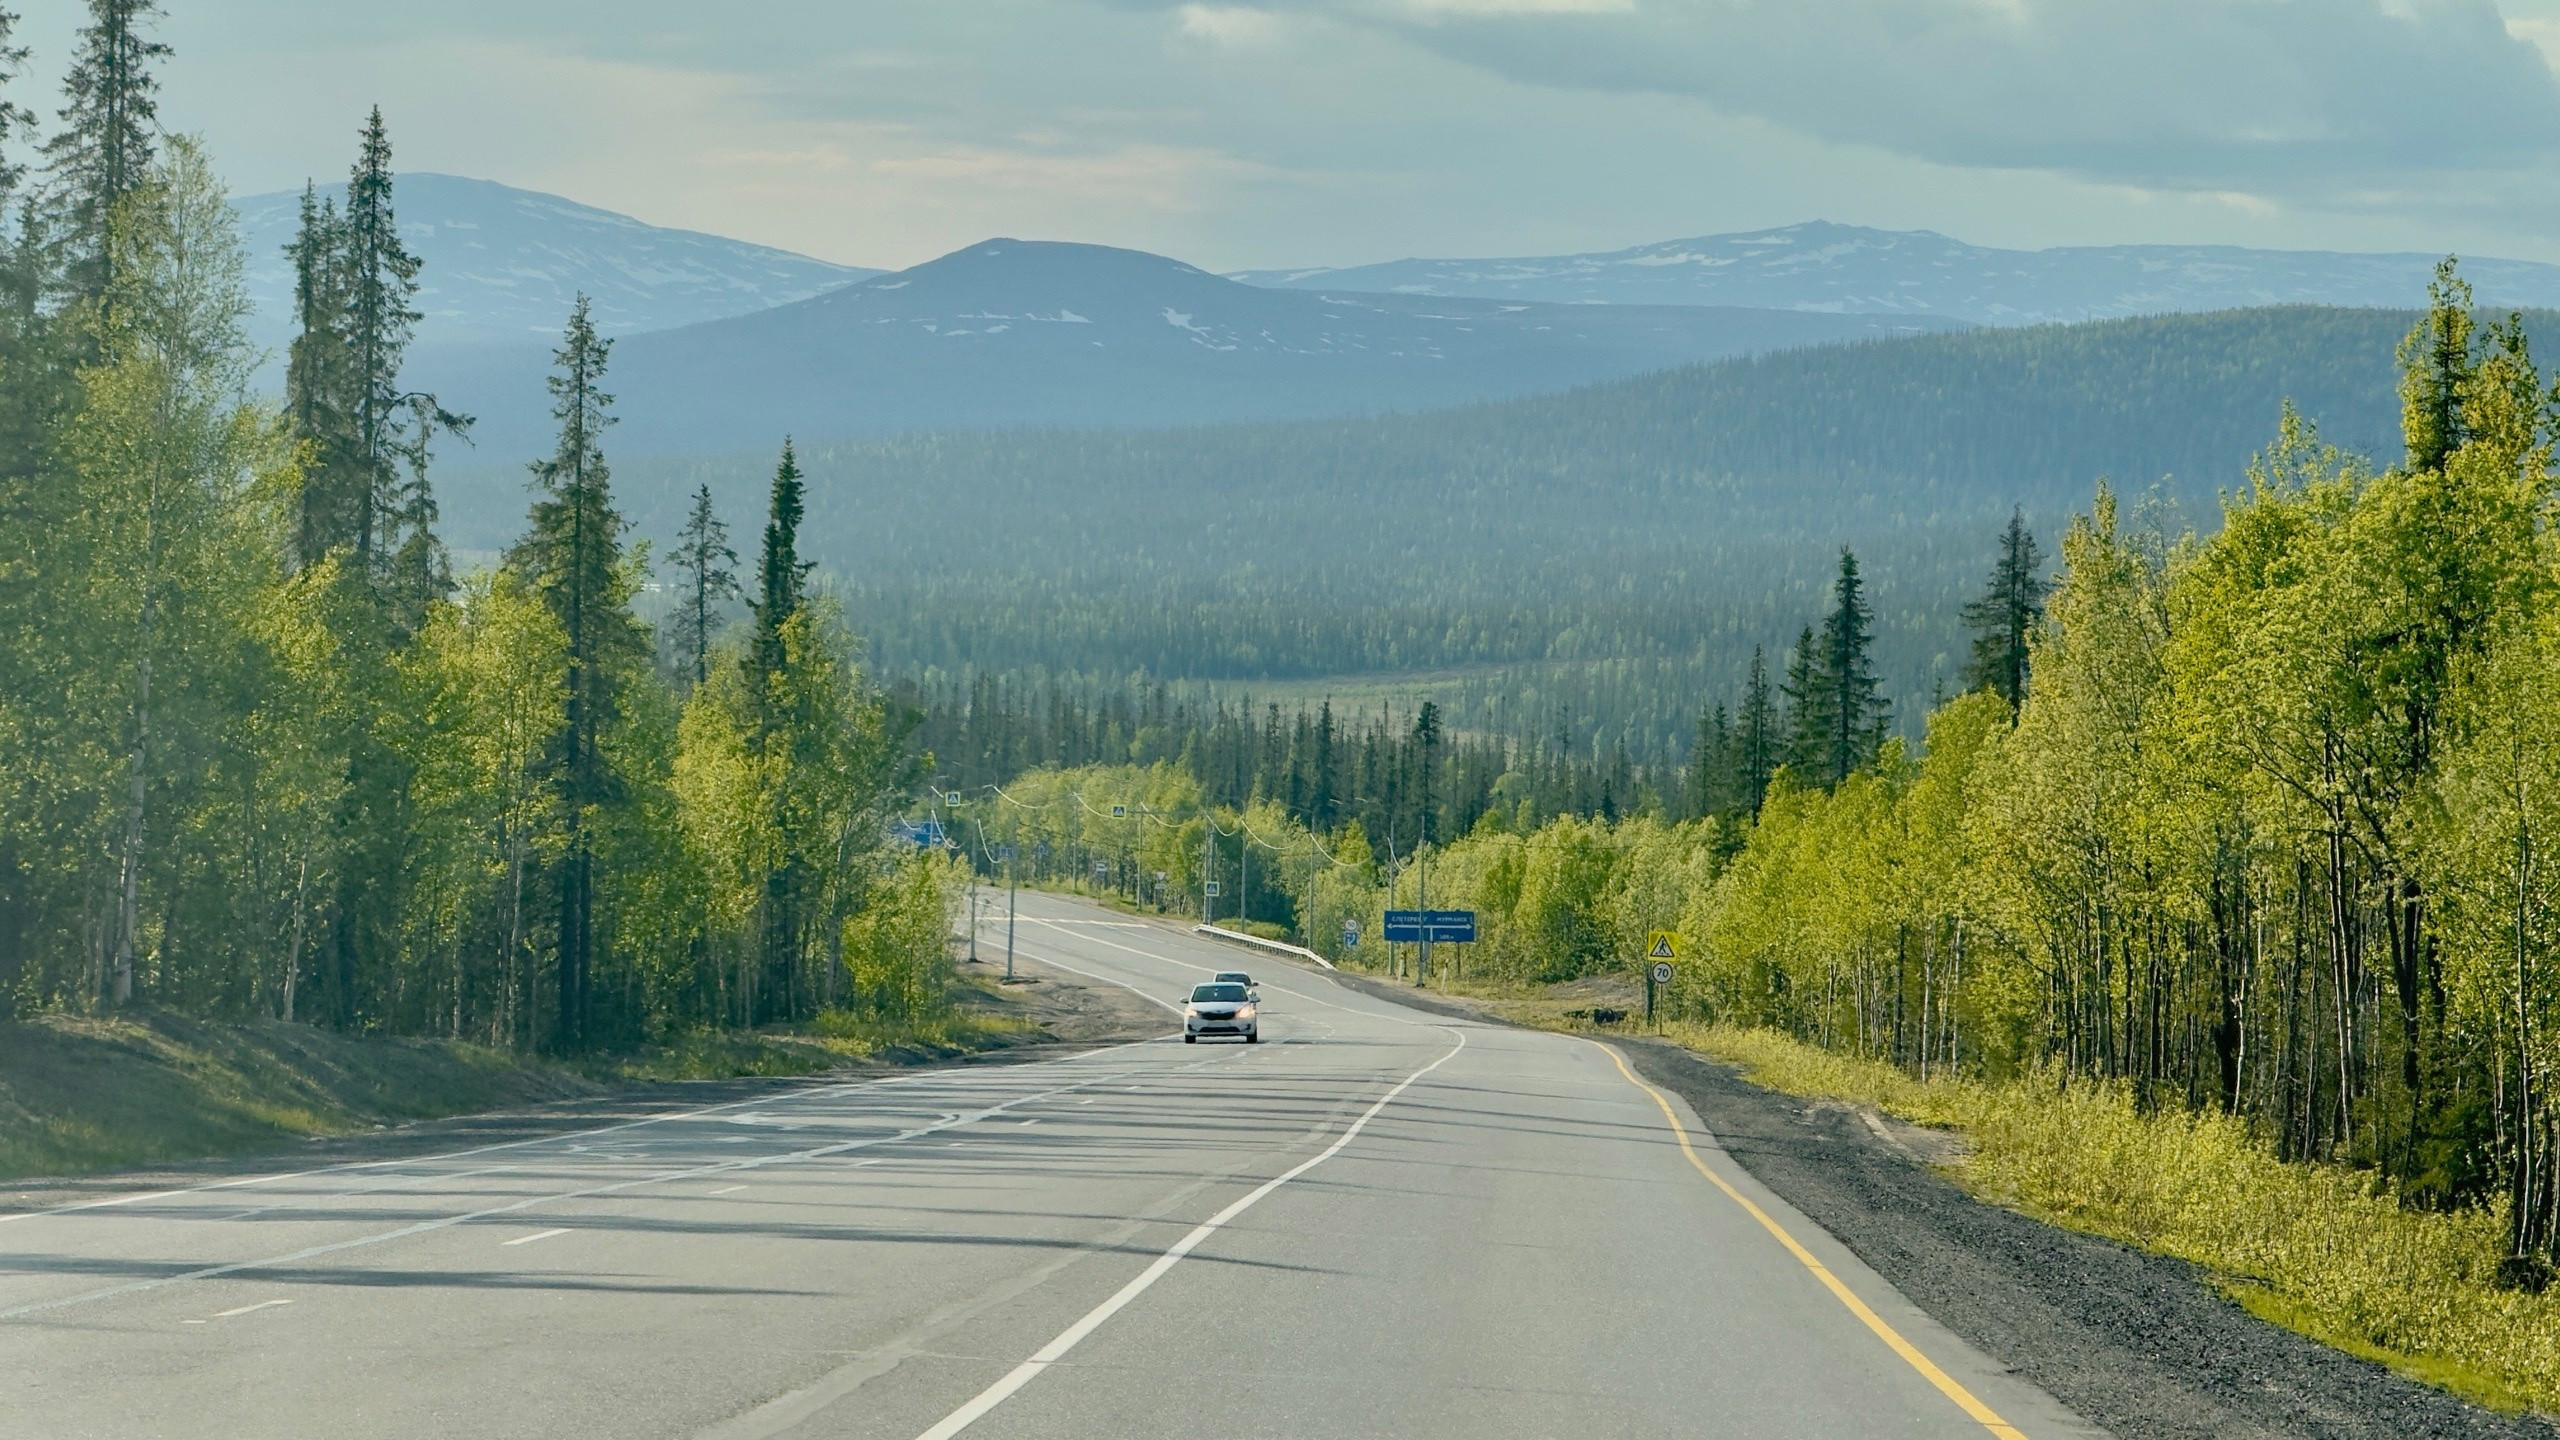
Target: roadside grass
(81,1094)
(87,1093)
(829,1042)
(2323,1250)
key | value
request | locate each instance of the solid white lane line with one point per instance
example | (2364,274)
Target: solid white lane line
(536,1235)
(1056,1350)
(245,1309)
(728,1189)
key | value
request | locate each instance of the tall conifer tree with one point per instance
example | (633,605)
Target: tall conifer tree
(572,557)
(1854,711)
(1757,738)
(781,732)
(104,149)
(1807,699)
(705,560)
(2005,615)
(781,575)
(315,382)
(1712,768)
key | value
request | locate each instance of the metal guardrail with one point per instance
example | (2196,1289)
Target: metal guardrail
(1301,951)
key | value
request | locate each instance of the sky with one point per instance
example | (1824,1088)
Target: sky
(1332,132)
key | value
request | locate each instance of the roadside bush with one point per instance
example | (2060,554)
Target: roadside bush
(2323,1248)
(897,949)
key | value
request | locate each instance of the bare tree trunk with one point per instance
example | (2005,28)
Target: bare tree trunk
(129,905)
(293,952)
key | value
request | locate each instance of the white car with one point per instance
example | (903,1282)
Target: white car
(1238,977)
(1221,1008)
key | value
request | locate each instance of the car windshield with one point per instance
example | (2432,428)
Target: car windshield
(1238,976)
(1222,994)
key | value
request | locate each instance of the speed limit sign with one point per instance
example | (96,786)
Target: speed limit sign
(1662,972)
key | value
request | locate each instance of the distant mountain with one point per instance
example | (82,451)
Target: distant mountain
(500,265)
(1845,269)
(1029,333)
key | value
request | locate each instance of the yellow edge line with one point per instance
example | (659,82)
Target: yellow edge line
(1947,1384)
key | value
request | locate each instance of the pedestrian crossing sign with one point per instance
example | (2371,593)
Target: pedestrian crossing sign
(1662,945)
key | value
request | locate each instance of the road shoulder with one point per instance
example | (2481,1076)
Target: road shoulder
(2138,1343)
(2141,1344)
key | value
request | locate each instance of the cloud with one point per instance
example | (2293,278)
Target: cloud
(2258,96)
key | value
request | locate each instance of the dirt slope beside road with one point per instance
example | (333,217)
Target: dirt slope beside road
(2138,1343)
(91,1109)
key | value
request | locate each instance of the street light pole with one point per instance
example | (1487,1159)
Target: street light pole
(1012,897)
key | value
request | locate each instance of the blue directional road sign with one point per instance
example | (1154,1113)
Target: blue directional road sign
(1350,934)
(1443,926)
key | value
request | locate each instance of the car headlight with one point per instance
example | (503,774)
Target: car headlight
(1245,1014)
(1190,1012)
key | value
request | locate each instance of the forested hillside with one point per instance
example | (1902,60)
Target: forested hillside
(2240,848)
(1615,553)
(263,753)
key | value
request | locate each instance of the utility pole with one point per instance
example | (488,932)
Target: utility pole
(1012,899)
(1208,867)
(1426,736)
(1422,948)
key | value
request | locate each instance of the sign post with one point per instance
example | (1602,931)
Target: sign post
(1661,947)
(1012,900)
(1424,926)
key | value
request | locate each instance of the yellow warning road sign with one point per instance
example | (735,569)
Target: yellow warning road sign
(1662,945)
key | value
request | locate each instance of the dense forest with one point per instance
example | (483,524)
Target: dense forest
(263,753)
(1617,552)
(2252,822)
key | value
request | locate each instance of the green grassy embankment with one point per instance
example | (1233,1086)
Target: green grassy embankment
(80,1094)
(2319,1249)
(83,1093)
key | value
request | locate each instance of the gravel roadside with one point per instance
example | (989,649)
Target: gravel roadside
(2138,1343)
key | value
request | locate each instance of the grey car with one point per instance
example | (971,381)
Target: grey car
(1221,1008)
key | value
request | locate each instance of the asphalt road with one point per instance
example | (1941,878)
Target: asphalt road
(1378,1222)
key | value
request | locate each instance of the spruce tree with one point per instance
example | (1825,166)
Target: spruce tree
(1427,736)
(571,556)
(13,116)
(781,575)
(1854,711)
(393,428)
(704,557)
(370,441)
(1711,764)
(104,149)
(1807,700)
(315,383)
(2006,615)
(781,733)
(2435,370)
(1757,738)
(35,379)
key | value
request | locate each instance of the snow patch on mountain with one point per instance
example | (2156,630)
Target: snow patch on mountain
(1843,269)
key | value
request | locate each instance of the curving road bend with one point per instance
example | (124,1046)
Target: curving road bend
(1378,1222)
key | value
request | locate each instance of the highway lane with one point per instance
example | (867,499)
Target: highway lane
(1378,1222)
